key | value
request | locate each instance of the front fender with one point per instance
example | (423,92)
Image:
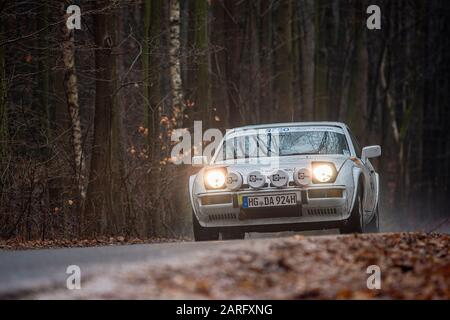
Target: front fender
(195,187)
(357,172)
(349,175)
(191,189)
(377,185)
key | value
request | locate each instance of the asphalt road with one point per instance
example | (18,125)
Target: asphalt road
(21,271)
(28,269)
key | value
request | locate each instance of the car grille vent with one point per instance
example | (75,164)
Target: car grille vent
(216,199)
(325,193)
(222,216)
(322,212)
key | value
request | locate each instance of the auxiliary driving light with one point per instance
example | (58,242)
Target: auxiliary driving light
(215,179)
(233,181)
(302,177)
(324,172)
(256,180)
(279,179)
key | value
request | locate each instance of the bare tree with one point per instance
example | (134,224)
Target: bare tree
(284,78)
(71,91)
(203,96)
(3,105)
(151,59)
(307,57)
(103,209)
(175,67)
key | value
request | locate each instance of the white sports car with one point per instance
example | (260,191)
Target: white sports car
(285,177)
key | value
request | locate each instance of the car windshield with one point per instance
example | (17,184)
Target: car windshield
(283,142)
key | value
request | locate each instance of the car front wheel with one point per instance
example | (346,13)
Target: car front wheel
(374,224)
(355,223)
(232,235)
(201,233)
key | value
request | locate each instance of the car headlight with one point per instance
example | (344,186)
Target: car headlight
(215,179)
(324,172)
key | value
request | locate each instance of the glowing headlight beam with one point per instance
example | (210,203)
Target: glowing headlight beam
(323,173)
(215,179)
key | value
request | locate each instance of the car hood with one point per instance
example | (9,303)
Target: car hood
(287,163)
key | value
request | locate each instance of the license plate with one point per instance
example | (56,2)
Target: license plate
(277,200)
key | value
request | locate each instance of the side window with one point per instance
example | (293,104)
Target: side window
(357,146)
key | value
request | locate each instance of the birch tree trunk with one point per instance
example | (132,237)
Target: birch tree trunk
(175,69)
(71,92)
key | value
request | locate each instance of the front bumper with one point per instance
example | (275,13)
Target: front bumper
(315,209)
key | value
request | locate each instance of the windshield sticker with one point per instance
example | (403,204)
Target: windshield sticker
(284,130)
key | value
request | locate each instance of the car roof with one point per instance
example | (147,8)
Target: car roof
(291,124)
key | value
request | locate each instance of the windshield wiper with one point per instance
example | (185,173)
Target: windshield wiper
(299,154)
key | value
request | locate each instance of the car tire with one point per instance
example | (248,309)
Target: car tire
(355,224)
(201,233)
(374,224)
(232,235)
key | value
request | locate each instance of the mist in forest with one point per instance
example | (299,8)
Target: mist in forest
(86,114)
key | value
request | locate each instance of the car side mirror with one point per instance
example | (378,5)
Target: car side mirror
(370,152)
(199,161)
